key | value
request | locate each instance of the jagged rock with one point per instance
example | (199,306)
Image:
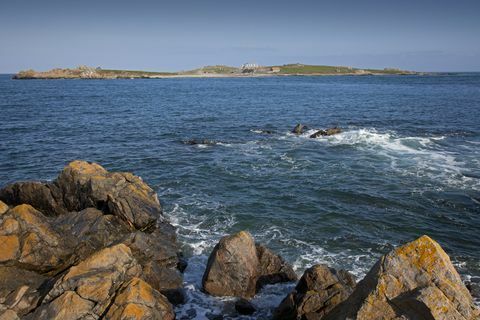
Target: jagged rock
(138,300)
(243,306)
(3,207)
(414,281)
(232,267)
(86,290)
(328,132)
(272,268)
(299,129)
(319,290)
(122,194)
(28,240)
(84,185)
(238,267)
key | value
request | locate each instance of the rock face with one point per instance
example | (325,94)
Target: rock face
(319,290)
(414,281)
(328,132)
(91,244)
(238,267)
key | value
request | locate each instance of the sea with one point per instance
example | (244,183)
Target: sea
(407,162)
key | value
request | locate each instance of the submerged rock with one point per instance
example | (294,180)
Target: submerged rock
(414,281)
(328,132)
(319,290)
(193,142)
(299,129)
(238,267)
(243,306)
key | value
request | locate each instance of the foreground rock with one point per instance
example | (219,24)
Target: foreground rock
(414,281)
(237,267)
(90,244)
(319,290)
(327,132)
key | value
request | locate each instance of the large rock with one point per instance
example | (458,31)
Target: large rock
(319,290)
(122,194)
(299,129)
(232,267)
(238,267)
(84,185)
(414,281)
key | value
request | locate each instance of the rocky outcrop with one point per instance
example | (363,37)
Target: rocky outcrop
(237,267)
(84,185)
(319,290)
(414,281)
(327,132)
(90,244)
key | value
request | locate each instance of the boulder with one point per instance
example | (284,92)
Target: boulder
(319,290)
(122,194)
(138,300)
(299,129)
(328,132)
(414,281)
(84,185)
(272,268)
(232,267)
(239,267)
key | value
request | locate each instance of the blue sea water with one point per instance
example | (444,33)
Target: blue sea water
(406,164)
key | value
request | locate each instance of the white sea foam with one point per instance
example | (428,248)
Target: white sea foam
(422,157)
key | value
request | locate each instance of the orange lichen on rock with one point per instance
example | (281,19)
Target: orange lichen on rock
(9,247)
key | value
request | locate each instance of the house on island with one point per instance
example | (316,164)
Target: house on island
(249,67)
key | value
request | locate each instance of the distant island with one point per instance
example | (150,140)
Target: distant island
(246,70)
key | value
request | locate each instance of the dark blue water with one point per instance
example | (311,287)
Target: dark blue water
(407,163)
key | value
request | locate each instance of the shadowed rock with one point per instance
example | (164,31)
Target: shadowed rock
(243,306)
(414,281)
(319,290)
(272,268)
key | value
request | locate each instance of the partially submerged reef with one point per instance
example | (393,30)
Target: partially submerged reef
(93,244)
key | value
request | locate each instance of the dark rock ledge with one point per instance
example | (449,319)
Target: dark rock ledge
(95,245)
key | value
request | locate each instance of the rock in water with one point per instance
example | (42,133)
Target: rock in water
(299,129)
(239,267)
(232,267)
(414,281)
(328,132)
(243,306)
(319,290)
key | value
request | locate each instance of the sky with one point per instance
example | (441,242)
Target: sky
(421,35)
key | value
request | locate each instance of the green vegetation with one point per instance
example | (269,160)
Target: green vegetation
(84,72)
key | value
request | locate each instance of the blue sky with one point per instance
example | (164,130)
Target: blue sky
(424,35)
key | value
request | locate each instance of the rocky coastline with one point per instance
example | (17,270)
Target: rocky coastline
(94,244)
